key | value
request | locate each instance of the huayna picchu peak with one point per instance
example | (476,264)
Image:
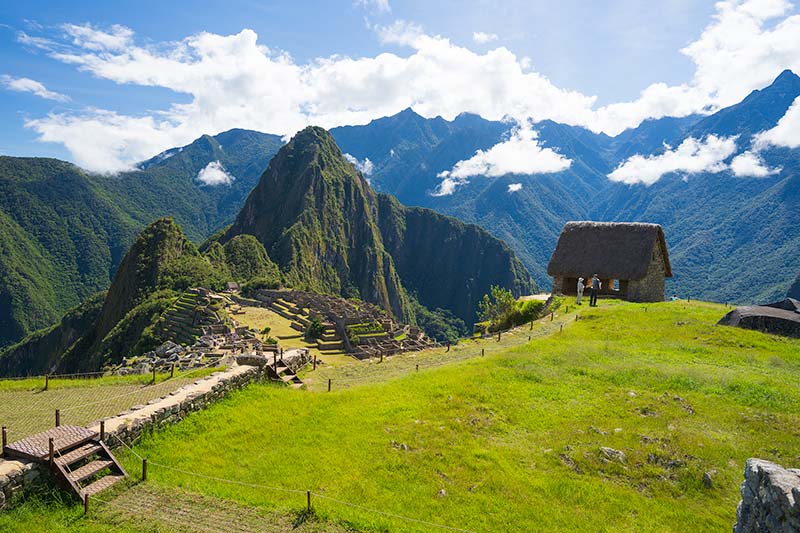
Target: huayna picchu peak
(320,220)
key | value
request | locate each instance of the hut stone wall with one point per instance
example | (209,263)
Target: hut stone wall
(652,287)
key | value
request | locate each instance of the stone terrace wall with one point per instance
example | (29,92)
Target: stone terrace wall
(16,477)
(770,499)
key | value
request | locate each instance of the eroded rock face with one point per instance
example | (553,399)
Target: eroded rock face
(770,499)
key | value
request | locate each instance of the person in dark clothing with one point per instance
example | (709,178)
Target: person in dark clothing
(593,290)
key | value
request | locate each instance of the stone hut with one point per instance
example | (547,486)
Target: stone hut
(630,258)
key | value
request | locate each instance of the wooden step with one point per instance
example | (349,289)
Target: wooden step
(77,454)
(89,469)
(102,484)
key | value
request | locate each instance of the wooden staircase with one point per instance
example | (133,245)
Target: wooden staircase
(76,456)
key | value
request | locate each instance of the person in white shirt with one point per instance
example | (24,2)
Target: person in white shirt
(581,286)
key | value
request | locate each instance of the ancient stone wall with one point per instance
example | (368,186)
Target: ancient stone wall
(17,477)
(770,499)
(652,287)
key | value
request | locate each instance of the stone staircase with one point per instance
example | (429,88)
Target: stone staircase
(76,456)
(285,374)
(182,322)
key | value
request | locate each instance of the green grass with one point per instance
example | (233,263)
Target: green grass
(26,408)
(513,438)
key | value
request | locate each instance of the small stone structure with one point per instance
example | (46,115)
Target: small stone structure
(17,476)
(770,499)
(631,259)
(779,318)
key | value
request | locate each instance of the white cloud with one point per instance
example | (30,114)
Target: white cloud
(365,167)
(234,81)
(750,164)
(785,133)
(27,85)
(400,32)
(691,157)
(520,154)
(514,187)
(483,38)
(378,5)
(116,39)
(214,174)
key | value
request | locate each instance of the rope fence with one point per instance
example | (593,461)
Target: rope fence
(27,412)
(307,493)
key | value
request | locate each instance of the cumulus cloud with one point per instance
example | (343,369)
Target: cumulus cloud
(514,187)
(750,164)
(692,156)
(521,153)
(214,174)
(786,133)
(27,85)
(365,167)
(235,81)
(483,38)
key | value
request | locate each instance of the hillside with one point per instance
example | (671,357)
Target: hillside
(161,264)
(63,232)
(320,220)
(615,420)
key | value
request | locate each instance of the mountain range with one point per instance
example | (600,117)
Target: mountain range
(327,231)
(64,232)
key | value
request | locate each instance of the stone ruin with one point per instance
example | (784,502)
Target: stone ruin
(342,315)
(770,499)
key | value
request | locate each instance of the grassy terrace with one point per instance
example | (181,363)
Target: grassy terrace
(506,442)
(26,408)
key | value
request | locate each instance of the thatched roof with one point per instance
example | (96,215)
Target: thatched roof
(612,250)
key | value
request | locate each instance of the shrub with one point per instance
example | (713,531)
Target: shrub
(314,329)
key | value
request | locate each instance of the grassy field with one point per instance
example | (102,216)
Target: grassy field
(258,318)
(506,442)
(26,408)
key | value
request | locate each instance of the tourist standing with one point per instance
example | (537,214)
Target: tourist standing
(580,291)
(595,288)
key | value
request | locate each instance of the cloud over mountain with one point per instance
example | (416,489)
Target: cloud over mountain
(692,156)
(520,154)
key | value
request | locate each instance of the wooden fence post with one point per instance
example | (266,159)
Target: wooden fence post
(308,497)
(86,504)
(531,325)
(5,441)
(552,315)
(46,381)
(58,417)
(329,384)
(483,351)
(498,336)
(315,361)
(172,372)
(52,450)
(144,469)
(562,329)
(102,430)
(417,371)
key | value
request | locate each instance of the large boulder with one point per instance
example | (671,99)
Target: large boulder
(780,318)
(770,499)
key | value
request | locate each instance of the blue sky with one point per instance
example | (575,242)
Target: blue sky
(120,81)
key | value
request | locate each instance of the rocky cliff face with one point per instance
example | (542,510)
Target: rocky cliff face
(314,213)
(770,499)
(319,219)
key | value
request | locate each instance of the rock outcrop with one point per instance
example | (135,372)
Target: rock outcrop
(770,499)
(780,318)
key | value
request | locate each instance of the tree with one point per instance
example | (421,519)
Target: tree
(496,305)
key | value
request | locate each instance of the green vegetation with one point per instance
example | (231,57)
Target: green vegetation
(440,324)
(499,310)
(315,329)
(478,443)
